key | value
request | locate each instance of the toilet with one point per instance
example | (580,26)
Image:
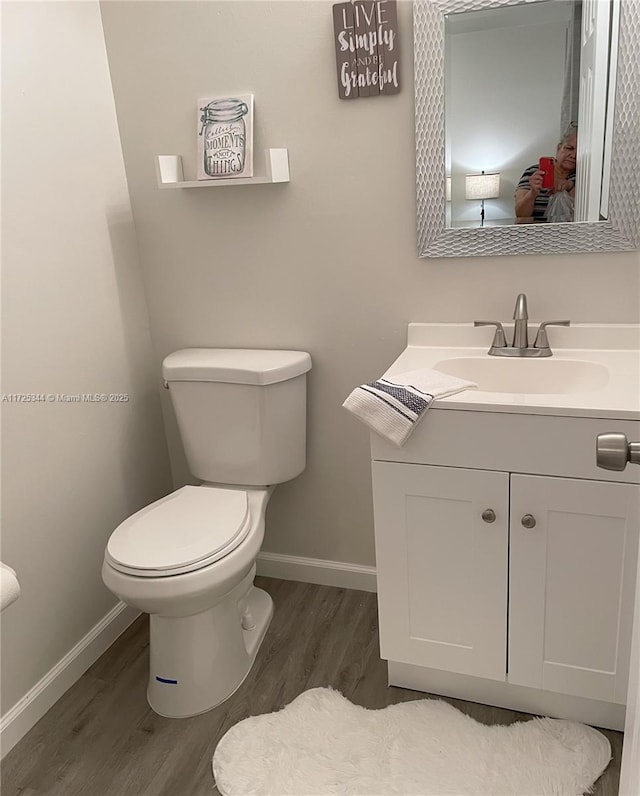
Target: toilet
(188,560)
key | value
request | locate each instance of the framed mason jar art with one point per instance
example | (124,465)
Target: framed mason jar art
(225,137)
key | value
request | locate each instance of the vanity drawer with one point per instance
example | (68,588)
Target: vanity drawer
(537,444)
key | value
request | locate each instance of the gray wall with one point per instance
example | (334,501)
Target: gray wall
(326,263)
(74,321)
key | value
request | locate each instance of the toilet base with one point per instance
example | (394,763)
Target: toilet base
(199,661)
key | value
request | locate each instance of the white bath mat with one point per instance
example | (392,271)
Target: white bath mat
(322,744)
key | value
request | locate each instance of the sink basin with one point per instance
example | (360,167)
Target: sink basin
(548,376)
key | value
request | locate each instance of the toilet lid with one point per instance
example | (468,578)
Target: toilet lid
(187,530)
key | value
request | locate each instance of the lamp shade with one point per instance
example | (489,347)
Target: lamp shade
(482,186)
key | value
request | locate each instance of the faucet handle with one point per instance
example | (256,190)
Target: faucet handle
(499,339)
(542,341)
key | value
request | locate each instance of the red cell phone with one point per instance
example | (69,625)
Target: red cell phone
(548,166)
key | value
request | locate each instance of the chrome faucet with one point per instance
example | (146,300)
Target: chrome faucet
(520,346)
(520,327)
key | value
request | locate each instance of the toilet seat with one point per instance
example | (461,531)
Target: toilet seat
(182,532)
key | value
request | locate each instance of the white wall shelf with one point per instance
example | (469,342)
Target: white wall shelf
(275,168)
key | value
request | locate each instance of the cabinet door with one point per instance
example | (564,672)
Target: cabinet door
(572,579)
(442,569)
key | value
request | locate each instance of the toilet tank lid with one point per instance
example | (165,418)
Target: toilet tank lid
(235,365)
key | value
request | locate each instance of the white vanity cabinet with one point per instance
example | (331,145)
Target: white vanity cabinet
(442,571)
(572,585)
(464,586)
(512,585)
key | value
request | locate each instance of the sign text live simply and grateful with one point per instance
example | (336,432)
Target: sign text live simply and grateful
(367,51)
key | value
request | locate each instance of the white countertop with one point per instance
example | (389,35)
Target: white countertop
(616,346)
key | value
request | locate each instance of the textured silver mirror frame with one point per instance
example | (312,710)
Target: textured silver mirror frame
(620,233)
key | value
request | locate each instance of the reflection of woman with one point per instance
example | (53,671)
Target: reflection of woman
(531,199)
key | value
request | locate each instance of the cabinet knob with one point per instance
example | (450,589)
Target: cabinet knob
(528,521)
(489,515)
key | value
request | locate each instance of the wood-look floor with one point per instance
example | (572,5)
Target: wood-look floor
(102,739)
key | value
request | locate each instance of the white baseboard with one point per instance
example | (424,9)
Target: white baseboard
(17,722)
(317,570)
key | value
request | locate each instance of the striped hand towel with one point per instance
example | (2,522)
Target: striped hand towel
(393,408)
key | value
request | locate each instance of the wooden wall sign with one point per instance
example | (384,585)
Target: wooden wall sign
(367,48)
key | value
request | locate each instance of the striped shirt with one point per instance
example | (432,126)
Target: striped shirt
(542,199)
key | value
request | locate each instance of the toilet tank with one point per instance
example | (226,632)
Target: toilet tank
(241,412)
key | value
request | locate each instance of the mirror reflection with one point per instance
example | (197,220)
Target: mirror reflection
(528,111)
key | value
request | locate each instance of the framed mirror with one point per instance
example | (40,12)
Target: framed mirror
(452,170)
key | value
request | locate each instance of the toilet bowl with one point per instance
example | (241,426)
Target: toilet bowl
(188,560)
